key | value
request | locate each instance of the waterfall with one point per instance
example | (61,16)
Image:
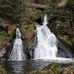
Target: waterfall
(47,42)
(17,50)
(45,20)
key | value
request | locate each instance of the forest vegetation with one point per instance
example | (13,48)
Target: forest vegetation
(60,13)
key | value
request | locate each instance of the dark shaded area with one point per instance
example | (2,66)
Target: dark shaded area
(9,47)
(64,50)
(39,21)
(4,28)
(41,1)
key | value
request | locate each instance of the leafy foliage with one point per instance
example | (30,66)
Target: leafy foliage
(12,9)
(71,2)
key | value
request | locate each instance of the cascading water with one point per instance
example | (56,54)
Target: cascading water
(17,51)
(47,42)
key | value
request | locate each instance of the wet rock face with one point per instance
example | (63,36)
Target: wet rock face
(27,33)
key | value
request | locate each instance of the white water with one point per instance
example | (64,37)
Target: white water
(17,51)
(47,44)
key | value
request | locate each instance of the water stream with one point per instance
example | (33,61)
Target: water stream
(17,50)
(47,44)
(45,53)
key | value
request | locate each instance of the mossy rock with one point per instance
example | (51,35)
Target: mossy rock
(56,68)
(2,70)
(6,36)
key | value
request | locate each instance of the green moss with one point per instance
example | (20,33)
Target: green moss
(11,31)
(2,70)
(66,41)
(4,36)
(2,33)
(56,69)
(31,29)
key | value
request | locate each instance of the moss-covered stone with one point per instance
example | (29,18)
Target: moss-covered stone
(56,69)
(5,37)
(2,70)
(67,41)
